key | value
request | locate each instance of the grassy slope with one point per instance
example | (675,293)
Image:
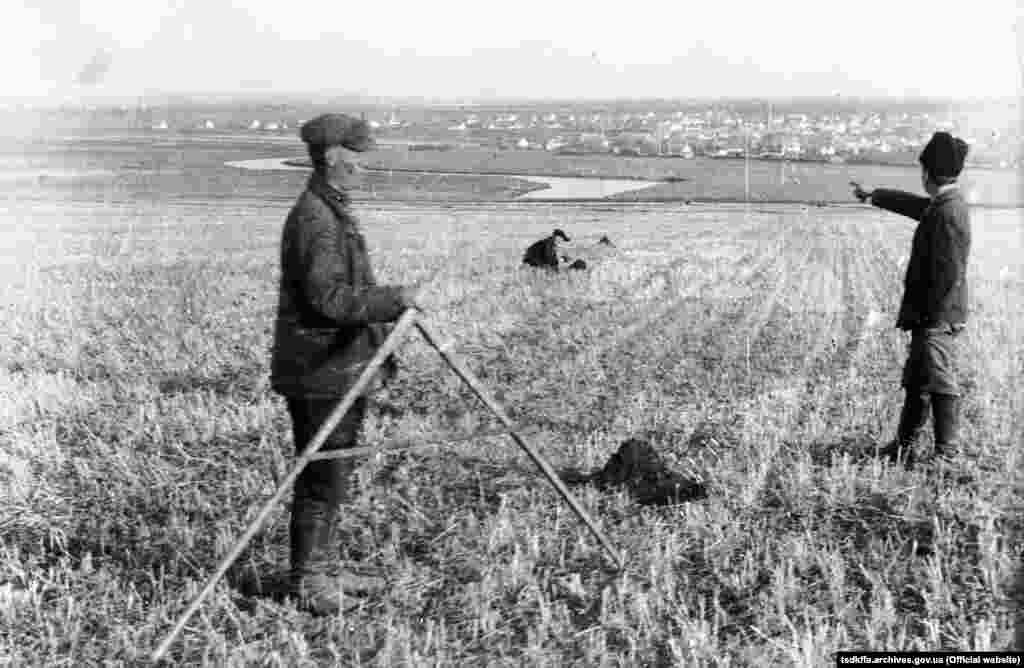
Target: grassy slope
(139,431)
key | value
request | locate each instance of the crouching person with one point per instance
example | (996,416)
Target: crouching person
(330,323)
(544,252)
(934,305)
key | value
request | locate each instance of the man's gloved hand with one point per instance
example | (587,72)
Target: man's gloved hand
(408,297)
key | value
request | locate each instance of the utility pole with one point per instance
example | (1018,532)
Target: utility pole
(746,162)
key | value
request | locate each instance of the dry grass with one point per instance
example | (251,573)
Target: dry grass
(756,349)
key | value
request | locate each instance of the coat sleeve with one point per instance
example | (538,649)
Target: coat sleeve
(947,262)
(898,201)
(326,283)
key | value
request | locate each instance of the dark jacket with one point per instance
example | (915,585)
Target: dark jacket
(935,286)
(543,253)
(330,308)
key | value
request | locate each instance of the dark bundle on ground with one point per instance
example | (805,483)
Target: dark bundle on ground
(605,241)
(638,468)
(578,264)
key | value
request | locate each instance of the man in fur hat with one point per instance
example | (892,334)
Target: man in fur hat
(934,305)
(330,322)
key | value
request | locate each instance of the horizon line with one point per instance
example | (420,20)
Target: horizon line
(365,99)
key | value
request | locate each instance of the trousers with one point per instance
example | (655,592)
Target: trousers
(932,361)
(323,485)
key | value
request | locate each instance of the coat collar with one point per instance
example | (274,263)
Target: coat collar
(319,186)
(946,194)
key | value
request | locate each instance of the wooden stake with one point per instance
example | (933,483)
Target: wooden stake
(403,446)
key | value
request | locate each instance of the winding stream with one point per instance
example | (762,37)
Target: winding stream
(558,187)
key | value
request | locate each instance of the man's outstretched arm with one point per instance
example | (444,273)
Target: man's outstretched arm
(897,201)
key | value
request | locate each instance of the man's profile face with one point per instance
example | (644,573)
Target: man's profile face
(343,166)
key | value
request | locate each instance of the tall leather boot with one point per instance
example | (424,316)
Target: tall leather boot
(317,579)
(945,414)
(913,417)
(311,531)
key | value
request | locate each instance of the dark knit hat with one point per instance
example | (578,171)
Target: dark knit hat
(338,130)
(943,155)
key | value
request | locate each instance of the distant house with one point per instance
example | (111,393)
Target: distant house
(208,125)
(635,143)
(523,143)
(677,145)
(272,126)
(554,144)
(162,125)
(255,125)
(585,142)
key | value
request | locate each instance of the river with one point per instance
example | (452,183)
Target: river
(558,187)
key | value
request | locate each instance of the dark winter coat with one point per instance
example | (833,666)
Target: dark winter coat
(543,253)
(330,311)
(935,285)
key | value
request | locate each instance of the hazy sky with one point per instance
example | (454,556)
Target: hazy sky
(62,49)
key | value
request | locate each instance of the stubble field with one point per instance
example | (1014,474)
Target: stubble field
(754,348)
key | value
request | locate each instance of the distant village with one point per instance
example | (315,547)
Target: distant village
(828,137)
(757,131)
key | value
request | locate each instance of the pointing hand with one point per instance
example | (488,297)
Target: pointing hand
(859,192)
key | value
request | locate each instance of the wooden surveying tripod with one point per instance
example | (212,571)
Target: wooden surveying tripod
(408,321)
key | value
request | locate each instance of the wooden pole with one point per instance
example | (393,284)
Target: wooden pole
(403,446)
(474,384)
(405,323)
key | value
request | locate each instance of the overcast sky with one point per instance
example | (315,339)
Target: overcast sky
(62,49)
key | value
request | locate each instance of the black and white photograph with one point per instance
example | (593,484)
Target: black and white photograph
(511,334)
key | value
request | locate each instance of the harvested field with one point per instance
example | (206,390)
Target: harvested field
(753,347)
